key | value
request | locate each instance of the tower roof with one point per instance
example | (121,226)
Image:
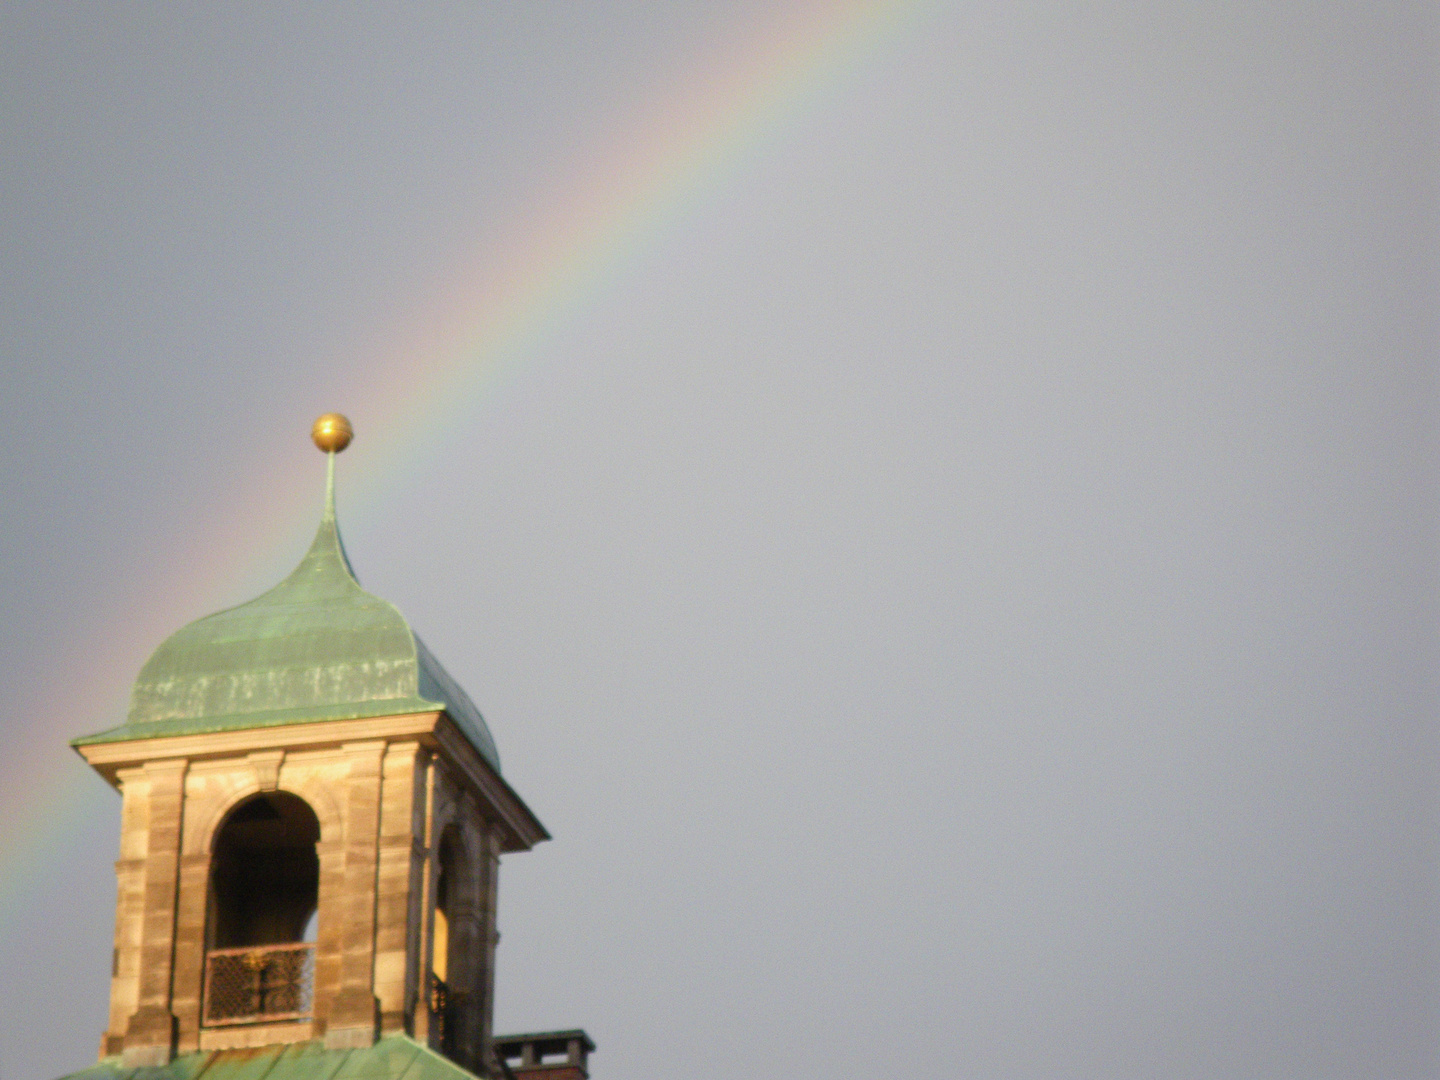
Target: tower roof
(315,647)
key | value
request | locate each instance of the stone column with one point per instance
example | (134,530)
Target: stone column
(330,942)
(190,948)
(150,1036)
(490,937)
(439,811)
(401,861)
(354,1012)
(467,948)
(423,907)
(129,906)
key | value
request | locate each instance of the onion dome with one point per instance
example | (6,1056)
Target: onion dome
(315,647)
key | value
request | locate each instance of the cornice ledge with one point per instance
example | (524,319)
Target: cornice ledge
(521,827)
(109,758)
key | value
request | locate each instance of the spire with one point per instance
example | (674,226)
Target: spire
(326,568)
(330,485)
(332,434)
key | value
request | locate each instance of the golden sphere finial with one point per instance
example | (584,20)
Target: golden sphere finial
(332,433)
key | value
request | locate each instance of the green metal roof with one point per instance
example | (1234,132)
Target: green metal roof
(315,647)
(396,1058)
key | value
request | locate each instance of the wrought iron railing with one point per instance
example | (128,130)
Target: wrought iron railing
(443,1003)
(251,984)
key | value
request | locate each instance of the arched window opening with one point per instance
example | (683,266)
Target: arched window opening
(440,952)
(265,876)
(264,886)
(444,997)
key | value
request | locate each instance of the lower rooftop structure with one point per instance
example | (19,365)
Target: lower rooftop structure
(545,1055)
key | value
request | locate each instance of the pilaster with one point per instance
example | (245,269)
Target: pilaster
(354,1012)
(401,863)
(489,938)
(438,797)
(467,952)
(330,941)
(150,1035)
(129,905)
(190,948)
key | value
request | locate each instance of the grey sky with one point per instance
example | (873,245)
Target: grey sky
(962,595)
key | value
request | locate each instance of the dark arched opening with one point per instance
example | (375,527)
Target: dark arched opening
(444,886)
(265,877)
(264,887)
(445,997)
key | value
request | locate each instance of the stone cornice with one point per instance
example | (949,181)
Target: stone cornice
(520,829)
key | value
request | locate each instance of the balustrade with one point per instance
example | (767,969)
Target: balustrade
(259,983)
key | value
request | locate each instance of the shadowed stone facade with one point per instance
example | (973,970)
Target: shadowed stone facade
(385,790)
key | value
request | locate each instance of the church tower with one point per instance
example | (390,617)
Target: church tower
(313,815)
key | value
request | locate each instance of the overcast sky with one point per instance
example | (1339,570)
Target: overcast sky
(959,584)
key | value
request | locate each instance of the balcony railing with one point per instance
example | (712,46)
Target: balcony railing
(443,1004)
(258,983)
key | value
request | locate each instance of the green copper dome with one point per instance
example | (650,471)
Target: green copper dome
(315,647)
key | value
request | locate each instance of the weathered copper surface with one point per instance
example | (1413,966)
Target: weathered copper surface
(396,1058)
(315,647)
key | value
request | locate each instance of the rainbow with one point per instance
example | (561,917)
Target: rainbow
(670,161)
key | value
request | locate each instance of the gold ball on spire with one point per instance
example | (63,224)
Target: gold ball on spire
(332,433)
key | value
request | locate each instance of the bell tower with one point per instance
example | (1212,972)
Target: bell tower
(312,820)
